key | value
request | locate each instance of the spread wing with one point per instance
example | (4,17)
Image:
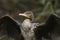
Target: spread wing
(9,29)
(50,30)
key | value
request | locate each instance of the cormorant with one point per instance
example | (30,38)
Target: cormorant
(10,29)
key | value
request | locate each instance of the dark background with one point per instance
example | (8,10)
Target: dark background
(40,8)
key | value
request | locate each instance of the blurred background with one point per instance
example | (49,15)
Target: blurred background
(41,8)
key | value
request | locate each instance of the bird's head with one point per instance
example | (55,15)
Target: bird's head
(27,14)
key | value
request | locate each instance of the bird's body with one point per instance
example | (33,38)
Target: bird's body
(27,30)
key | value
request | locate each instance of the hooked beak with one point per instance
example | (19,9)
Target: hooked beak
(22,14)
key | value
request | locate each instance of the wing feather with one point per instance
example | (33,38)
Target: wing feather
(9,29)
(49,30)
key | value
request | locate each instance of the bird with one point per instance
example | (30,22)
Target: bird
(11,29)
(36,31)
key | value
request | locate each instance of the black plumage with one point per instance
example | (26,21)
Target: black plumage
(10,28)
(50,30)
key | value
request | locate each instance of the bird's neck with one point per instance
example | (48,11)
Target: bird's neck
(27,20)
